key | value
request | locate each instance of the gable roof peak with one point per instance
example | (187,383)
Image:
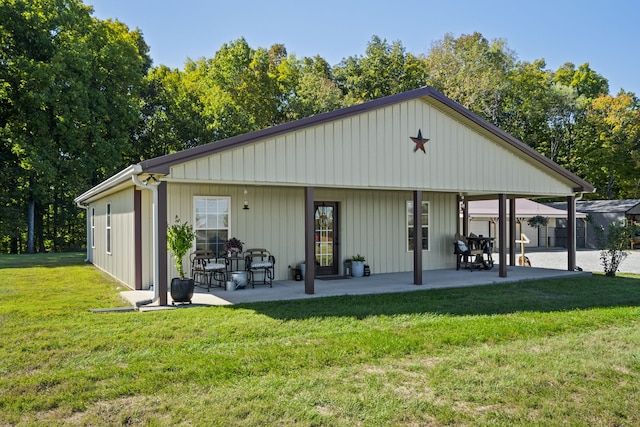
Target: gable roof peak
(162,165)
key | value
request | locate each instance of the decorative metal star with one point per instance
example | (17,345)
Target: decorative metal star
(420,141)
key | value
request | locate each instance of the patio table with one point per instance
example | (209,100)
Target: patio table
(234,259)
(485,244)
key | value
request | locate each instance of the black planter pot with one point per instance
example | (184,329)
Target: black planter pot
(181,290)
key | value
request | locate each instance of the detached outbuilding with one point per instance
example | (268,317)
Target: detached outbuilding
(323,189)
(483,219)
(604,212)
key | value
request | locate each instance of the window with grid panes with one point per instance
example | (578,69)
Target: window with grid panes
(425,226)
(212,222)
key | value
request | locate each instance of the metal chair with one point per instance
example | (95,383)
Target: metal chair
(215,270)
(206,268)
(463,251)
(258,261)
(199,259)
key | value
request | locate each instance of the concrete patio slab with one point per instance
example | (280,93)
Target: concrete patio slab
(374,284)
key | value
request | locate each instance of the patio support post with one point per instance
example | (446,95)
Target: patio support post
(512,232)
(459,201)
(309,242)
(465,221)
(137,239)
(502,234)
(571,233)
(162,242)
(417,237)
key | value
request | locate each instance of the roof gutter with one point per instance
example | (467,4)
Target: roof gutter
(120,178)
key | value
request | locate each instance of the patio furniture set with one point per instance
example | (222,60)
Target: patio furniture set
(474,251)
(209,270)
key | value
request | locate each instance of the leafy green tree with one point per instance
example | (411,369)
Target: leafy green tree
(386,69)
(216,108)
(472,71)
(240,89)
(71,105)
(610,155)
(586,81)
(525,102)
(315,91)
(172,114)
(564,112)
(249,78)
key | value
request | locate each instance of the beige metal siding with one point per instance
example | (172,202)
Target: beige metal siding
(120,263)
(274,220)
(372,222)
(374,150)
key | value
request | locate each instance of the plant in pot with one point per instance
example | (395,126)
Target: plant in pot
(357,265)
(233,247)
(179,240)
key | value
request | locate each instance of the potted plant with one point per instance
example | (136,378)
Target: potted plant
(357,265)
(233,247)
(179,240)
(538,221)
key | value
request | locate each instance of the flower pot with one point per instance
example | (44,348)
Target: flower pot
(240,278)
(303,269)
(181,290)
(357,268)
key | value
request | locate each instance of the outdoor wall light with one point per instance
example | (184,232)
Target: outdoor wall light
(245,204)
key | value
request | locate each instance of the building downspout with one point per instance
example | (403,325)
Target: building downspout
(151,184)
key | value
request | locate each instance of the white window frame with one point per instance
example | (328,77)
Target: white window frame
(210,226)
(93,227)
(409,205)
(108,229)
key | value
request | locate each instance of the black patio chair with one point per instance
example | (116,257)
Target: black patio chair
(464,252)
(259,261)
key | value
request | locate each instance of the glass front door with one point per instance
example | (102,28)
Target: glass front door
(326,238)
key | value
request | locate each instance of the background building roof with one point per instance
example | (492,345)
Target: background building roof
(525,208)
(600,206)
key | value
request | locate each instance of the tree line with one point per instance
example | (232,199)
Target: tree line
(80,100)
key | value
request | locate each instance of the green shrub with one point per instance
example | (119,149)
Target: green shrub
(612,245)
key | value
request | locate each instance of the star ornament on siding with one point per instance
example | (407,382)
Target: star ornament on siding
(420,141)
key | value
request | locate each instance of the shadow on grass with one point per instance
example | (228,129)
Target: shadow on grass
(42,260)
(583,292)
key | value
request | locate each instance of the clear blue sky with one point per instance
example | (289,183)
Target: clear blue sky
(606,34)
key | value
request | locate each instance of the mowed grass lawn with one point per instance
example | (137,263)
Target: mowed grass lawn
(555,352)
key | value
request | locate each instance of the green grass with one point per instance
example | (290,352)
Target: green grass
(556,352)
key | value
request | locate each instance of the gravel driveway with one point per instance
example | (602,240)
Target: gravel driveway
(588,260)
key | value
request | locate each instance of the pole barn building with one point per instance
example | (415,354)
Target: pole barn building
(323,189)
